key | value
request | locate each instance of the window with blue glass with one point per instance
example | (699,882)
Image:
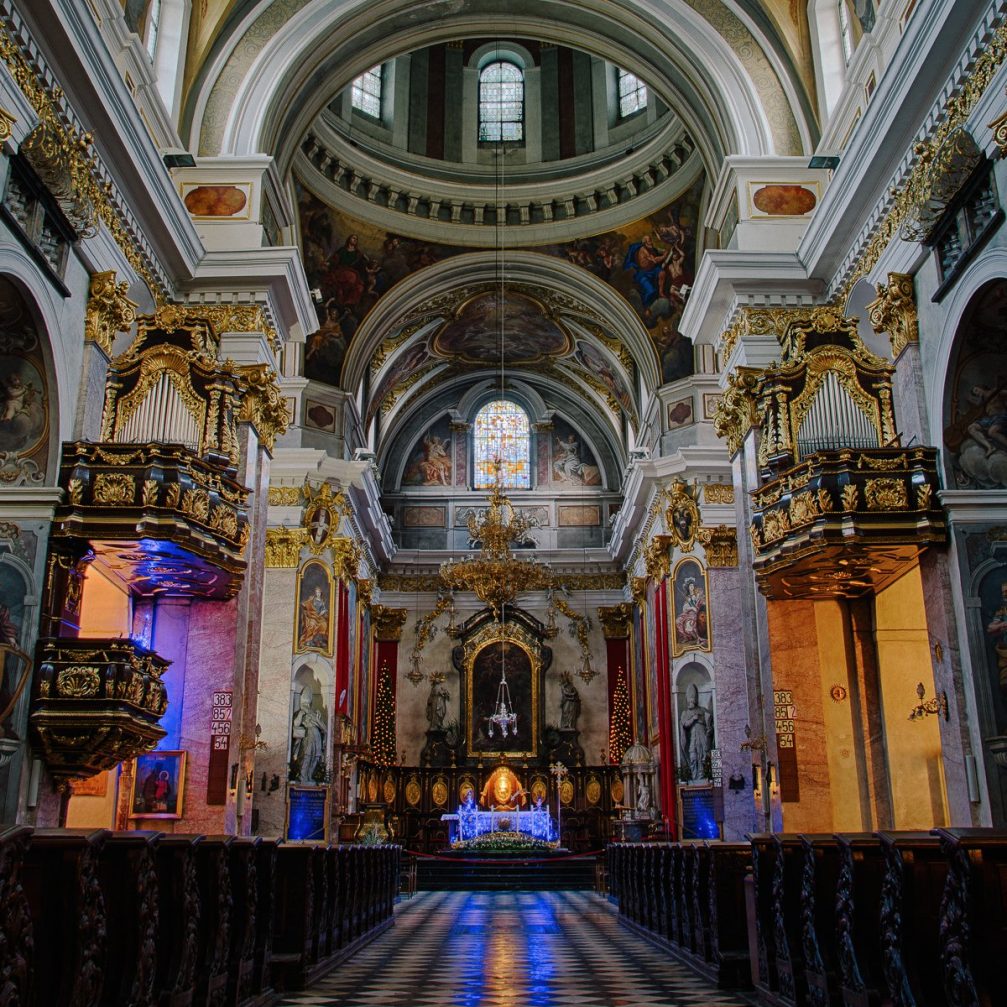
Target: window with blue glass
(501,102)
(502,442)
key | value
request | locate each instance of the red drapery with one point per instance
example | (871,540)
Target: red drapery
(664,717)
(342,649)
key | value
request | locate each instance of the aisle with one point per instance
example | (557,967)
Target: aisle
(511,949)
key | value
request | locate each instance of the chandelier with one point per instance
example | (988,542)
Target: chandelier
(503,716)
(496,577)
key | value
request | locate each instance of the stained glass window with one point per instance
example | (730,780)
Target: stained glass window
(501,432)
(632,94)
(366,92)
(501,102)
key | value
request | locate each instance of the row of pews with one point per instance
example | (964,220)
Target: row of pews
(913,919)
(96,918)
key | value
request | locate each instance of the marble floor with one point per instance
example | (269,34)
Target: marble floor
(511,949)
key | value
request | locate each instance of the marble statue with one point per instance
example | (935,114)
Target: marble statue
(569,705)
(696,724)
(642,796)
(308,738)
(437,706)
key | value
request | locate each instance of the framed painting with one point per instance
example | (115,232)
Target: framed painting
(158,785)
(690,627)
(315,604)
(486,668)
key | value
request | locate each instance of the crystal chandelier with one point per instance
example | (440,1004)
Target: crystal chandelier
(503,716)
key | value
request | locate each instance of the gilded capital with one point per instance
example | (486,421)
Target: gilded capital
(615,620)
(736,411)
(721,545)
(109,310)
(261,403)
(388,623)
(894,312)
(7,121)
(283,546)
(657,557)
(638,589)
(346,556)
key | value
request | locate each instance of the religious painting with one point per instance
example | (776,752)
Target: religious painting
(350,264)
(406,364)
(319,416)
(573,462)
(774,200)
(975,411)
(158,785)
(24,409)
(475,333)
(993,595)
(430,463)
(315,603)
(211,201)
(597,364)
(680,414)
(690,626)
(500,680)
(674,350)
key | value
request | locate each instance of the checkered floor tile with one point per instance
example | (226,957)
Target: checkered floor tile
(504,949)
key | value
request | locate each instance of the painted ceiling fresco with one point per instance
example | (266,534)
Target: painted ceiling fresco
(351,264)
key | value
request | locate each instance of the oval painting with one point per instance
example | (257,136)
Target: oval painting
(413,792)
(439,792)
(23,416)
(566,792)
(215,201)
(784,200)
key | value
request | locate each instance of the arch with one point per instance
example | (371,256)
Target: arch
(692,69)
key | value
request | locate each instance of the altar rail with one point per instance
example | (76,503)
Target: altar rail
(911,918)
(99,918)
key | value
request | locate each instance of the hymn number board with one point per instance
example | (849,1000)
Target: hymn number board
(786,744)
(220,742)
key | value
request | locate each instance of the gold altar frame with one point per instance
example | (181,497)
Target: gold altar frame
(512,633)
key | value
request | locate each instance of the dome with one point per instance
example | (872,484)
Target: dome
(638,755)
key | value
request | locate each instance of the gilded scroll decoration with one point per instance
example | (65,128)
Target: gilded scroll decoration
(262,404)
(109,310)
(720,544)
(682,516)
(894,312)
(283,547)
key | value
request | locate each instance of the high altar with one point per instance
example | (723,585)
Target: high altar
(500,810)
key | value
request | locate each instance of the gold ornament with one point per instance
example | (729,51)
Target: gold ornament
(615,621)
(7,120)
(261,403)
(718,493)
(894,312)
(886,494)
(109,310)
(388,622)
(657,557)
(721,545)
(283,547)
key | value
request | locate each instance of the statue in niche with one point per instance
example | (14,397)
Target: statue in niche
(437,706)
(696,724)
(569,704)
(642,796)
(309,736)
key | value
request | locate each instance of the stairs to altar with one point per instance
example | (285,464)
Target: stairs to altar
(511,874)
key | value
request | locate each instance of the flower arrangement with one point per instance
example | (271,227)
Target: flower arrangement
(504,842)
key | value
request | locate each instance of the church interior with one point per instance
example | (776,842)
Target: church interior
(503,502)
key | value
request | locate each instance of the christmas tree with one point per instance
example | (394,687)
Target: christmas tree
(383,737)
(620,737)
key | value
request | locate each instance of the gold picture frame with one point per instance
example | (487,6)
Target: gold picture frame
(316,588)
(158,785)
(690,608)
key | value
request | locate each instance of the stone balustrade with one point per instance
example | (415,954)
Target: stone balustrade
(95,918)
(826,920)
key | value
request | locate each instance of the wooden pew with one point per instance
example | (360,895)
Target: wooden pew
(60,876)
(700,902)
(179,909)
(858,907)
(728,865)
(293,937)
(265,879)
(819,878)
(786,902)
(915,872)
(15,915)
(973,916)
(764,853)
(127,870)
(243,866)
(213,875)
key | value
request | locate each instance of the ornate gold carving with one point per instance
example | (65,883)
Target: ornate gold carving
(736,412)
(109,310)
(110,488)
(718,493)
(78,681)
(638,589)
(755,535)
(346,556)
(224,519)
(75,491)
(886,494)
(431,583)
(286,496)
(196,504)
(682,516)
(365,590)
(615,621)
(894,312)
(321,517)
(882,463)
(261,403)
(850,497)
(775,524)
(149,494)
(283,547)
(721,545)
(999,127)
(803,508)
(825,502)
(388,622)
(924,497)
(657,557)
(7,120)
(173,495)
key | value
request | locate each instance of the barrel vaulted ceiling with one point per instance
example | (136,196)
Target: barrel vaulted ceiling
(410,303)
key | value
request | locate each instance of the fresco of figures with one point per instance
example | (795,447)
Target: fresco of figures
(975,415)
(430,463)
(314,609)
(573,463)
(691,625)
(352,264)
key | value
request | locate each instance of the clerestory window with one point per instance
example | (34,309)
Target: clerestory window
(501,102)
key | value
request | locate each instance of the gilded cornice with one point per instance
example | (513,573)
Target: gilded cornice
(736,411)
(286,496)
(109,310)
(432,583)
(283,547)
(346,556)
(388,623)
(615,620)
(718,493)
(657,557)
(894,312)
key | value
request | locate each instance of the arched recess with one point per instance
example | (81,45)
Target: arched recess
(311,708)
(974,407)
(300,64)
(694,720)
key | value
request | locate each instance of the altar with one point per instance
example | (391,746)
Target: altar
(470,822)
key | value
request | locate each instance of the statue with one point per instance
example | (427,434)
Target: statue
(569,705)
(642,797)
(437,706)
(308,735)
(696,723)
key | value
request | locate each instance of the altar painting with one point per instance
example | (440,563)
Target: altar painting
(484,674)
(315,603)
(690,628)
